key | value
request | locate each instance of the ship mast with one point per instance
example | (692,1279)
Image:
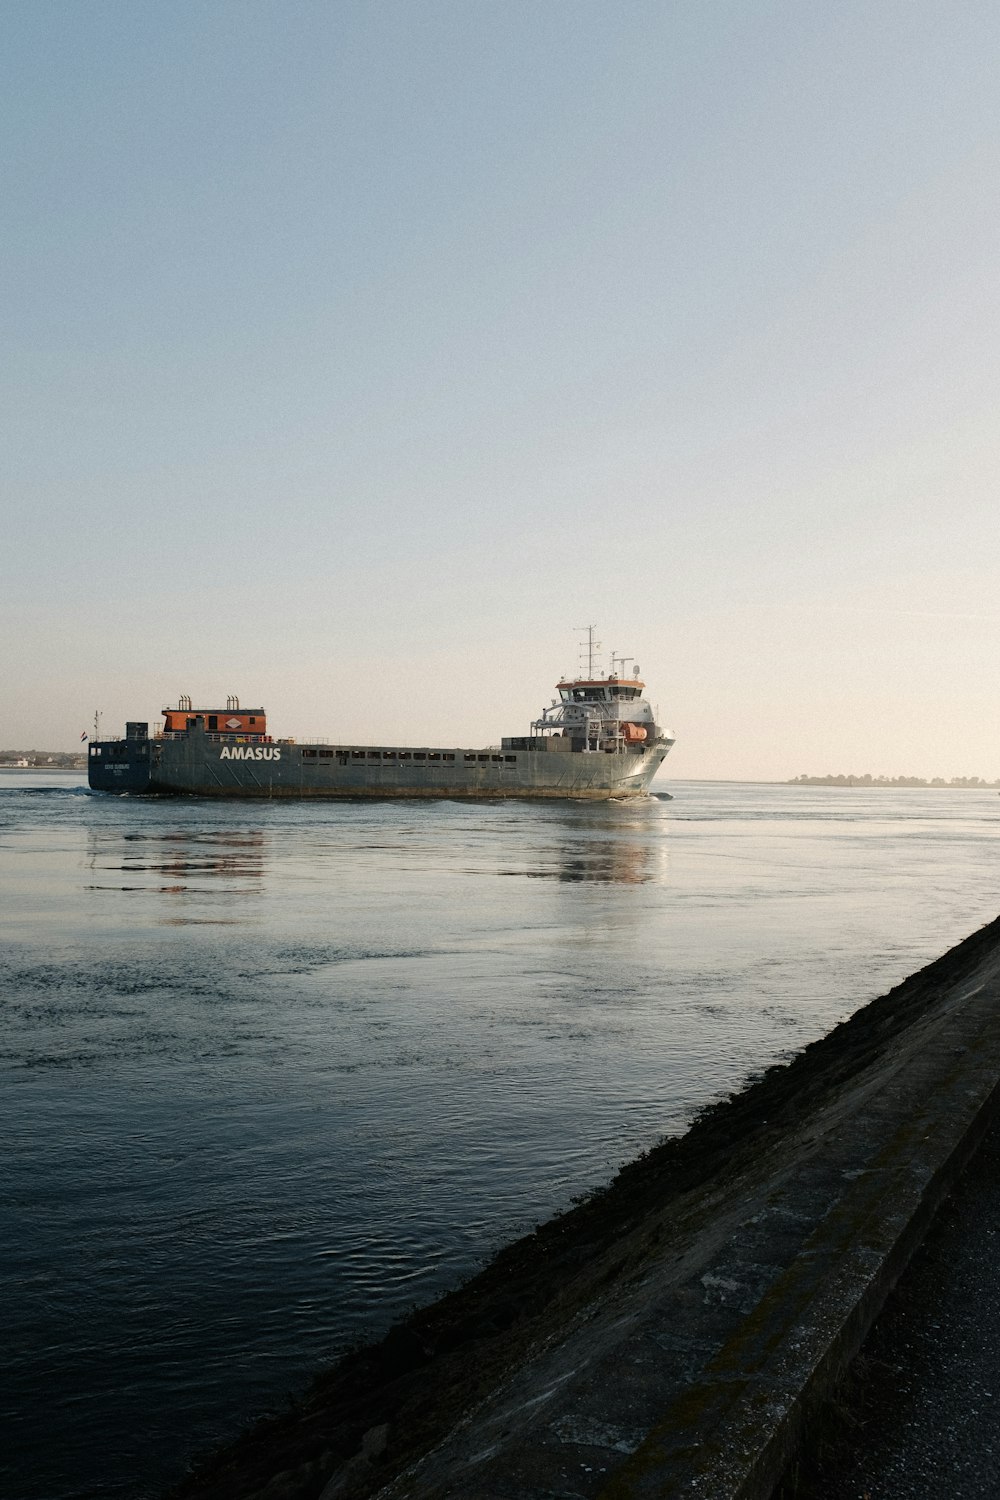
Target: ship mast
(589,649)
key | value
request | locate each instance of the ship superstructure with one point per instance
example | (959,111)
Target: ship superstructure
(598,739)
(607,714)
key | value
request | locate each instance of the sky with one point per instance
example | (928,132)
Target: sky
(358,354)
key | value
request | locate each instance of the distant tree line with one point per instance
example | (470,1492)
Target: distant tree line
(960,781)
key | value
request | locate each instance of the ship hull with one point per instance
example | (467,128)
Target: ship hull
(203,765)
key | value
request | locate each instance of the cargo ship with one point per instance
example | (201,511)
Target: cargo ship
(598,740)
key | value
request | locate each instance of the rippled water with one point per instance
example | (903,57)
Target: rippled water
(274,1072)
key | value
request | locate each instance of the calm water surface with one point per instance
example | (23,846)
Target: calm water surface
(274,1073)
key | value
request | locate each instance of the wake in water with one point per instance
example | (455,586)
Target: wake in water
(47,791)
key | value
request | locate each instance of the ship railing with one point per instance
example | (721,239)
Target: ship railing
(215,737)
(593,713)
(237,739)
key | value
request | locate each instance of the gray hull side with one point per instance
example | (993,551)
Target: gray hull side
(197,766)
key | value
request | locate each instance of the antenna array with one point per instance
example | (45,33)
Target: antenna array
(590,649)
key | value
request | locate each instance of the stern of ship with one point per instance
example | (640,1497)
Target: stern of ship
(121,765)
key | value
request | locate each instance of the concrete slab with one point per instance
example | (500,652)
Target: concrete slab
(696,1374)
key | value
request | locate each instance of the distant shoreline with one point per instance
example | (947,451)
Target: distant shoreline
(35,769)
(957,783)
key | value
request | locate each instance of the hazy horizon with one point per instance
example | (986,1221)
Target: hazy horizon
(357,355)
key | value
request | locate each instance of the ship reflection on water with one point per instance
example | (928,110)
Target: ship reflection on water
(219,864)
(609,844)
(627,864)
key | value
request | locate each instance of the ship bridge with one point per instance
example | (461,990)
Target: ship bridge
(600,690)
(597,713)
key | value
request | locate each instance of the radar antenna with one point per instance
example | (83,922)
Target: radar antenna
(622,662)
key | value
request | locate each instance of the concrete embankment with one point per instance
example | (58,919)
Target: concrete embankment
(673,1334)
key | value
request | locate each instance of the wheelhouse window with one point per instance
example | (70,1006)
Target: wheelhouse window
(592,694)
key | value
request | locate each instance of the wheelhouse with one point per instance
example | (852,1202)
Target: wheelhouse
(602,690)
